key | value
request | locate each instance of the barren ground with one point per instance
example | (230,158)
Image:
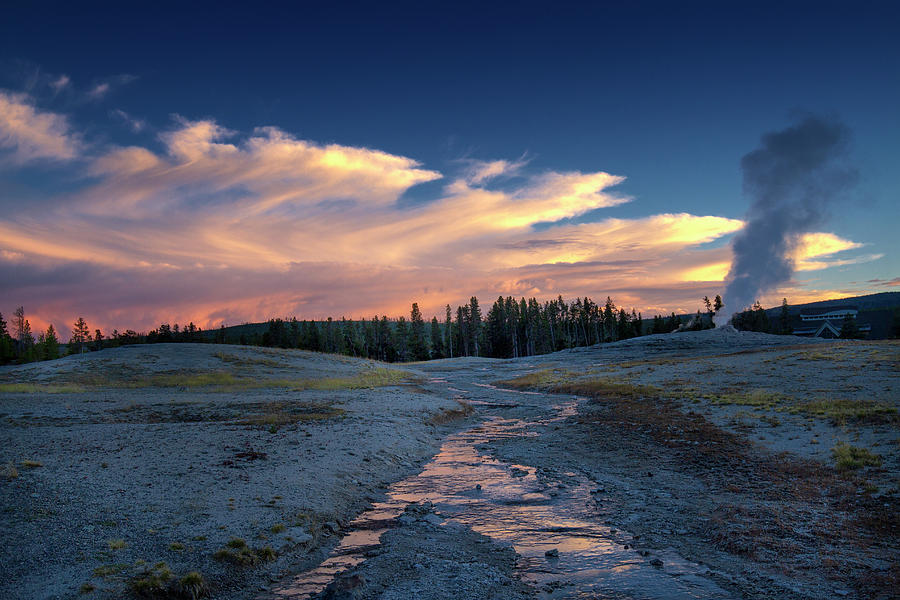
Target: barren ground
(704,458)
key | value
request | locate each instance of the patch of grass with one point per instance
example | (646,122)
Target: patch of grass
(279,414)
(236,551)
(193,586)
(247,360)
(851,458)
(761,399)
(9,471)
(45,388)
(446,415)
(840,411)
(598,388)
(372,378)
(537,379)
(152,581)
(115,544)
(86,588)
(176,547)
(277,528)
(112,570)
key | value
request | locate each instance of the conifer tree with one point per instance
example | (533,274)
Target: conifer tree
(417,346)
(80,334)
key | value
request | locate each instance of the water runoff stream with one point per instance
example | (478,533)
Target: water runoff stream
(511,505)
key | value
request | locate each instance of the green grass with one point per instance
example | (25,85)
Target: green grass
(115,544)
(44,388)
(152,581)
(237,552)
(227,381)
(561,381)
(176,546)
(840,411)
(851,458)
(761,399)
(106,571)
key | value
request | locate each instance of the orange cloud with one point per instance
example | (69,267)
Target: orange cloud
(31,134)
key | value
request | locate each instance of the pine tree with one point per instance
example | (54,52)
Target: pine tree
(448,330)
(718,304)
(785,319)
(437,339)
(417,346)
(475,324)
(50,344)
(6,343)
(80,334)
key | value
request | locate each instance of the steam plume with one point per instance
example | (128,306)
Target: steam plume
(791,180)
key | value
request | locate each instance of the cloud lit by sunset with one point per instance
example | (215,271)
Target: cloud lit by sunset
(129,215)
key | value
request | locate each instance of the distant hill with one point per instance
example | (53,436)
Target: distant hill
(876,310)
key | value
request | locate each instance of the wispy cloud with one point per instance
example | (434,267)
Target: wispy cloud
(101,89)
(136,125)
(220,225)
(27,133)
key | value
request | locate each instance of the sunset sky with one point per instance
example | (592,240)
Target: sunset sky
(218,165)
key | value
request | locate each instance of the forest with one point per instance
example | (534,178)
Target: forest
(510,328)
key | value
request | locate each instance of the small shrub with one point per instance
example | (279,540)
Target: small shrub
(115,544)
(151,582)
(9,471)
(850,458)
(86,588)
(267,554)
(277,528)
(110,570)
(176,546)
(192,585)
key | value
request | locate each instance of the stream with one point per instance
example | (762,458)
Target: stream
(514,505)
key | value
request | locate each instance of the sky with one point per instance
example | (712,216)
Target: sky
(194,162)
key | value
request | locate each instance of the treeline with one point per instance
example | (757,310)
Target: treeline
(18,344)
(510,328)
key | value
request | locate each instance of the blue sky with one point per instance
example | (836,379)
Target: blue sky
(669,96)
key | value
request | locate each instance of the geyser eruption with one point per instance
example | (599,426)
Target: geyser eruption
(791,179)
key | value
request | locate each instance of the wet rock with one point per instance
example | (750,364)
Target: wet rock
(348,586)
(554,553)
(656,562)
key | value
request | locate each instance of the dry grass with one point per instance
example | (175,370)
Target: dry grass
(851,458)
(36,388)
(452,414)
(599,388)
(115,544)
(840,411)
(761,399)
(279,414)
(226,381)
(32,464)
(246,361)
(237,552)
(9,471)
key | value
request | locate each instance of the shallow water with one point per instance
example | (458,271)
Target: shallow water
(514,506)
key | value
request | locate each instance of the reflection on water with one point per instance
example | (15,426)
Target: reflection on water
(513,505)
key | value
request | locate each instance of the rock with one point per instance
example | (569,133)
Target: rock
(478,486)
(656,562)
(552,553)
(433,519)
